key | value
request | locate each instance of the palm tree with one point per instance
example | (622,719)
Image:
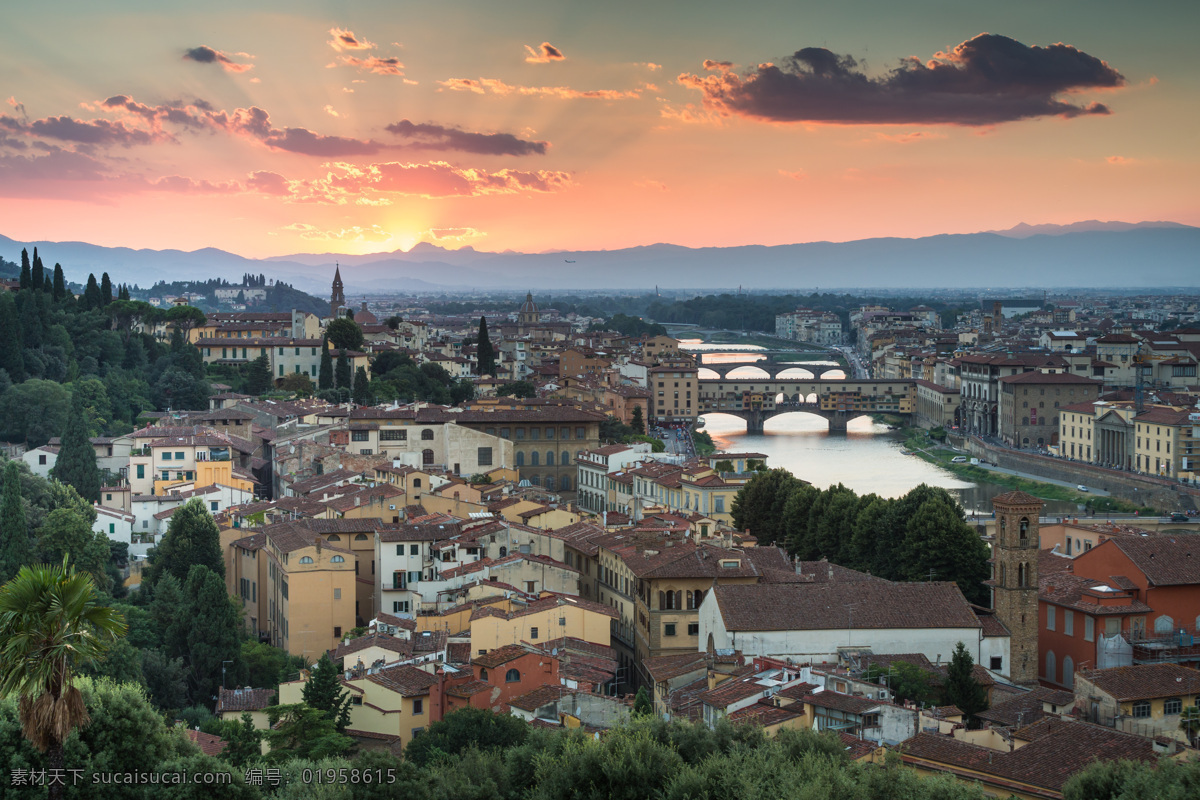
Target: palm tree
(50,623)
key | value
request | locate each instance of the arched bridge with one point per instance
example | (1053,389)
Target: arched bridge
(758,399)
(772,370)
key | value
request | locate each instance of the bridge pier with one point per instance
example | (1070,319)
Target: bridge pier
(837,421)
(754,423)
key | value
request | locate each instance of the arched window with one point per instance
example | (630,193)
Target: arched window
(1164,624)
(337,560)
(520,459)
(1068,672)
(360,537)
(550,483)
(427,435)
(426,456)
(549,458)
(1050,666)
(1024,535)
(306,560)
(691,600)
(503,551)
(1021,574)
(1003,574)
(1003,524)
(483,673)
(536,480)
(699,597)
(679,598)
(566,458)
(565,483)
(535,458)
(333,537)
(512,676)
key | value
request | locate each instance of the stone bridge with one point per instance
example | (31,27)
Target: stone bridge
(757,399)
(772,370)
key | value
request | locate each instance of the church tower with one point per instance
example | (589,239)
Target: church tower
(1015,580)
(528,316)
(337,300)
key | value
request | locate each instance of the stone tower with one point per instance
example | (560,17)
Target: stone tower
(1015,579)
(337,300)
(528,316)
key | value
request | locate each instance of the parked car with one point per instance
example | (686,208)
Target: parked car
(1082,488)
(958,460)
(1179,516)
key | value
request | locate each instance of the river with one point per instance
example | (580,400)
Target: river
(868,458)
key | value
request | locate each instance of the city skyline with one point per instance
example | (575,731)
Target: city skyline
(311,127)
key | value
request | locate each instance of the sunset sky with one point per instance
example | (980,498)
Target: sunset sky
(268,128)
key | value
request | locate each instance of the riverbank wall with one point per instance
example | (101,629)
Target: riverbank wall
(1140,490)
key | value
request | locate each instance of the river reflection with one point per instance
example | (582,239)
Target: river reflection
(868,458)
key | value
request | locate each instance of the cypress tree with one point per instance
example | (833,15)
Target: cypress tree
(258,379)
(60,283)
(124,293)
(325,375)
(76,465)
(16,550)
(12,354)
(38,276)
(341,374)
(362,387)
(323,691)
(48,285)
(106,292)
(961,688)
(26,274)
(191,539)
(214,631)
(485,354)
(91,294)
(637,421)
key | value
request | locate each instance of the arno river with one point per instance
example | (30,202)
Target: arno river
(868,458)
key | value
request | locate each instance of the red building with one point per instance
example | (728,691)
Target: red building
(1143,589)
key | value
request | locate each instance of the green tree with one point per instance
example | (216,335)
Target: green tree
(165,678)
(323,691)
(51,623)
(300,731)
(641,703)
(242,740)
(192,539)
(758,506)
(1189,723)
(12,359)
(16,551)
(76,464)
(65,533)
(638,422)
(485,354)
(106,290)
(26,279)
(267,666)
(34,411)
(341,374)
(213,636)
(831,522)
(345,334)
(60,283)
(38,274)
(92,395)
(864,541)
(362,387)
(906,682)
(938,544)
(325,373)
(91,293)
(464,729)
(521,389)
(961,689)
(297,382)
(258,376)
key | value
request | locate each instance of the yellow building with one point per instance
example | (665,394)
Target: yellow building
(552,616)
(393,703)
(166,459)
(1144,699)
(296,590)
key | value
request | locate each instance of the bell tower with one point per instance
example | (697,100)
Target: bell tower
(1015,579)
(337,299)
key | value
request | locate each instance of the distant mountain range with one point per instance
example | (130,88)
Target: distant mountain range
(1092,253)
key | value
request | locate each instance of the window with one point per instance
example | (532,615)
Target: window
(1164,624)
(669,629)
(360,436)
(212,506)
(1172,705)
(166,456)
(414,549)
(306,560)
(580,433)
(418,706)
(427,435)
(141,471)
(426,457)
(1089,628)
(693,629)
(529,587)
(1068,672)
(512,676)
(360,537)
(520,459)
(533,633)
(1050,666)
(42,461)
(393,435)
(1050,618)
(484,456)
(337,560)
(400,607)
(112,528)
(534,458)
(337,631)
(1141,709)
(1068,624)
(337,594)
(997,663)
(482,670)
(179,455)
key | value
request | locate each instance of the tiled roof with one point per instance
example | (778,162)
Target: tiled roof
(209,745)
(765,713)
(1146,681)
(458,653)
(1072,591)
(243,699)
(855,747)
(878,604)
(664,668)
(381,640)
(502,655)
(469,688)
(543,695)
(841,702)
(731,691)
(1017,498)
(404,679)
(1165,561)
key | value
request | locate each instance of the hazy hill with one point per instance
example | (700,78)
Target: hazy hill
(1116,254)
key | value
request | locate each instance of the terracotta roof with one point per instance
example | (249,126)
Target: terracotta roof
(209,745)
(841,702)
(879,604)
(664,668)
(765,713)
(543,695)
(1146,681)
(243,699)
(1018,498)
(404,679)
(1025,708)
(458,653)
(855,747)
(502,655)
(1165,561)
(469,688)
(381,640)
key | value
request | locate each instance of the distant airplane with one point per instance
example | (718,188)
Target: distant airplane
(569,261)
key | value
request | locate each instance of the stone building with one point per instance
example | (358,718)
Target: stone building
(1015,579)
(1030,404)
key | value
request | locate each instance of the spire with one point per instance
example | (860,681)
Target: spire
(337,298)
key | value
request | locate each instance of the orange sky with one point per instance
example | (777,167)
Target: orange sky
(371,126)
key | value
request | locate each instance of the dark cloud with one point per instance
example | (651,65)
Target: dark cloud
(377,64)
(67,129)
(437,137)
(544,54)
(983,81)
(207,55)
(346,40)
